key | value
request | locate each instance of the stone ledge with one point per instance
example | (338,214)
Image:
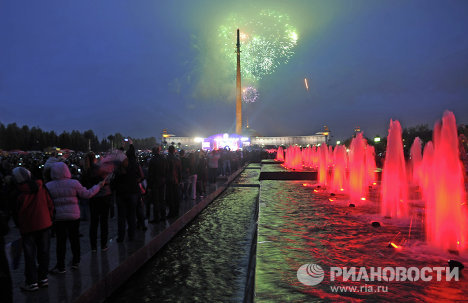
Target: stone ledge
(288,175)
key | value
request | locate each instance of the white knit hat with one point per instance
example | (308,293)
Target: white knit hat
(21,174)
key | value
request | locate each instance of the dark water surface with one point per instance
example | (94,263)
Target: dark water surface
(208,260)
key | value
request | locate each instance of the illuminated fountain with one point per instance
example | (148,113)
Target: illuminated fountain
(293,159)
(426,181)
(414,169)
(307,157)
(370,165)
(322,152)
(280,154)
(314,157)
(438,172)
(338,182)
(357,169)
(330,156)
(394,184)
(446,214)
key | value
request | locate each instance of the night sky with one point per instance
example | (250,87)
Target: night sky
(136,67)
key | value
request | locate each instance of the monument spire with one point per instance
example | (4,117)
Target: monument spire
(238,90)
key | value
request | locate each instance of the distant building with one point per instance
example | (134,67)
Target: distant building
(194,143)
(289,140)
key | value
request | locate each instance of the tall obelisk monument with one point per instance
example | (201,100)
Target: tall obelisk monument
(238,91)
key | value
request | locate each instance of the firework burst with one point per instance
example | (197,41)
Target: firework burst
(267,41)
(249,94)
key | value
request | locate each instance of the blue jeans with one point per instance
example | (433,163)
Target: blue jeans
(36,243)
(126,213)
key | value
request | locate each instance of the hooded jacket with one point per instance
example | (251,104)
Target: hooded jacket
(65,192)
(34,206)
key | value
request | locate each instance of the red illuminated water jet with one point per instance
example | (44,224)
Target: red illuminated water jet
(394,183)
(338,182)
(357,186)
(370,165)
(323,164)
(306,156)
(427,175)
(280,154)
(293,159)
(414,169)
(446,213)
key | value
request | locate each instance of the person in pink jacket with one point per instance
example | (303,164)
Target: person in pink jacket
(65,192)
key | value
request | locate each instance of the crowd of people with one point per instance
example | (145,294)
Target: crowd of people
(47,196)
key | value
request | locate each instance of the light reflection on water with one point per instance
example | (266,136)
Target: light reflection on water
(298,226)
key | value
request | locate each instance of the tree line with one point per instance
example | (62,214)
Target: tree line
(409,134)
(13,137)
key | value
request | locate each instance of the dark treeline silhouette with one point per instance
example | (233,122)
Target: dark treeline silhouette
(409,134)
(13,137)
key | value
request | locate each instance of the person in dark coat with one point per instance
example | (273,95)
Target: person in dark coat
(192,179)
(126,184)
(184,183)
(174,175)
(157,172)
(202,173)
(6,285)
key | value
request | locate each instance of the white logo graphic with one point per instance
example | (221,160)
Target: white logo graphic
(310,274)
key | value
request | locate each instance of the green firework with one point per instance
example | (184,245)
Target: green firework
(267,40)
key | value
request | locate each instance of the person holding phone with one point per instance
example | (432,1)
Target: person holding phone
(100,204)
(65,192)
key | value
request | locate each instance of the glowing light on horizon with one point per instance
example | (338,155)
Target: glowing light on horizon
(267,41)
(306,84)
